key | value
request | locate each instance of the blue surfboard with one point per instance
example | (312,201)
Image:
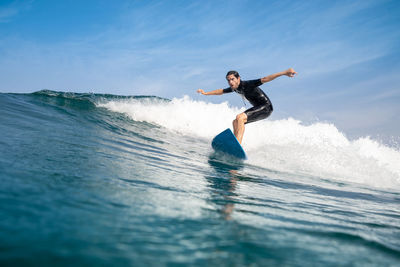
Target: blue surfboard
(226,142)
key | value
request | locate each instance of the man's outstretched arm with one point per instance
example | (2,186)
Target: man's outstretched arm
(289,72)
(214,92)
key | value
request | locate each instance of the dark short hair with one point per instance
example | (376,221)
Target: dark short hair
(234,73)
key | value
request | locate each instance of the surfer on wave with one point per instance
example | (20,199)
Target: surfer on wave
(262,106)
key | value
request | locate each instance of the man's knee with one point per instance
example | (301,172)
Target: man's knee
(241,118)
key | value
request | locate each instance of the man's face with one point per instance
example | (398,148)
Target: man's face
(233,81)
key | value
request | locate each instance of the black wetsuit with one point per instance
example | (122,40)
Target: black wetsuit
(262,106)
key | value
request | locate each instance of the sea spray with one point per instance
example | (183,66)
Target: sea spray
(321,150)
(318,149)
(181,115)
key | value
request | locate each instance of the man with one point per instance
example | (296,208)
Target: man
(262,106)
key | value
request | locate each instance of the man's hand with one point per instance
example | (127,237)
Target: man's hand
(201,91)
(290,72)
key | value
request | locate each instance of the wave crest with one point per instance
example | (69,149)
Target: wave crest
(318,149)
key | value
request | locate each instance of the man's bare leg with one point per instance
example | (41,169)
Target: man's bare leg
(238,126)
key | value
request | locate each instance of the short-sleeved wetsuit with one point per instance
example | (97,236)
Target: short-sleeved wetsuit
(262,106)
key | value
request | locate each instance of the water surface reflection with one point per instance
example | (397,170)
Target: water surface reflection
(223,183)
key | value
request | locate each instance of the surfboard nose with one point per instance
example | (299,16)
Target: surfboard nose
(226,142)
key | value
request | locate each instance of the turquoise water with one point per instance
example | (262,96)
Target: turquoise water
(107,180)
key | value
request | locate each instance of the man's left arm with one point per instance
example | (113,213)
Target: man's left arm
(289,72)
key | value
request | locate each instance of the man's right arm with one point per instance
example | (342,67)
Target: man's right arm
(214,92)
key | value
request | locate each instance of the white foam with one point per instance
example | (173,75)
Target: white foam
(319,149)
(181,115)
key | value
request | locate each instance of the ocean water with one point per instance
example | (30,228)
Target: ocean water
(89,180)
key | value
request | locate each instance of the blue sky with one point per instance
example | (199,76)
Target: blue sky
(346,53)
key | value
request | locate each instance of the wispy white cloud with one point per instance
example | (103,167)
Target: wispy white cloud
(6,13)
(13,9)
